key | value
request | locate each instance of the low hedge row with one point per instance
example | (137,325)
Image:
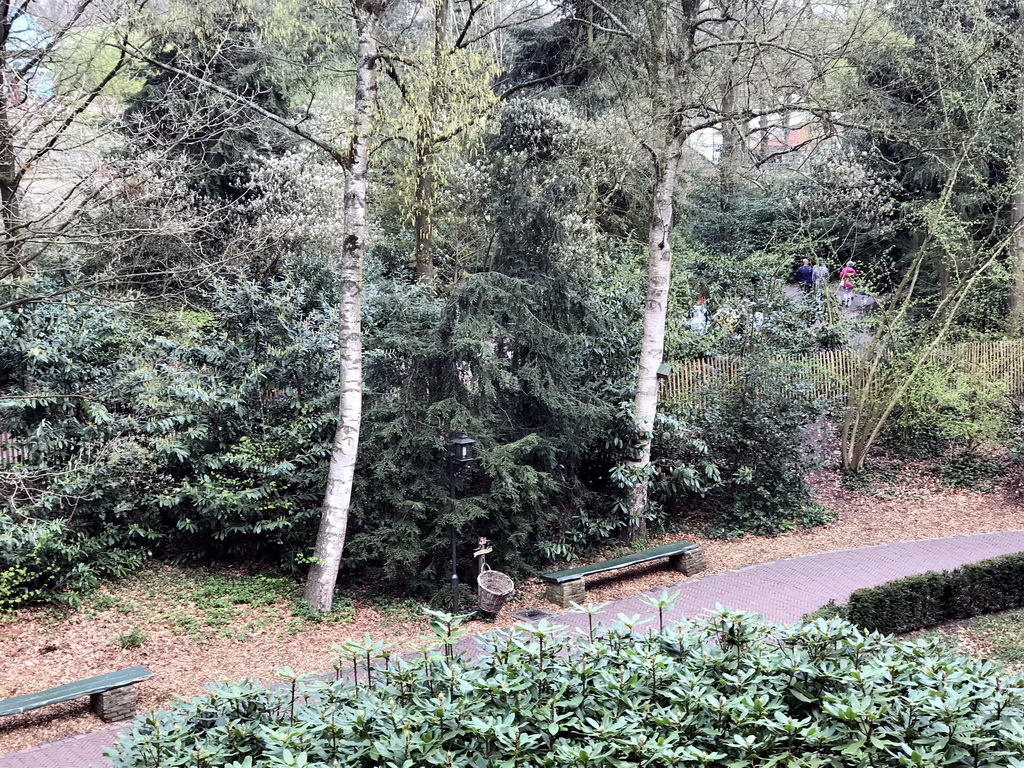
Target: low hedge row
(932,598)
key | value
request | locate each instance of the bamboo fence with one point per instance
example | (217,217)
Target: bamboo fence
(831,372)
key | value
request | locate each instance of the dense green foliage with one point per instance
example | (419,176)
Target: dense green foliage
(39,560)
(188,435)
(948,413)
(948,407)
(921,139)
(727,690)
(918,602)
(168,352)
(755,427)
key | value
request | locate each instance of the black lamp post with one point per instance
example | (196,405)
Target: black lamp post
(460,452)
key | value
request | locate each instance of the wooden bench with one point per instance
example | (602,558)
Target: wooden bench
(567,587)
(113,695)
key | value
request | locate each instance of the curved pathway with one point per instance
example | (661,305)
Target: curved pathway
(782,591)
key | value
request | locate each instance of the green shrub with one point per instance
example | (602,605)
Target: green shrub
(136,638)
(918,602)
(754,425)
(722,691)
(815,515)
(947,405)
(208,440)
(43,560)
(988,586)
(968,469)
(902,605)
(25,575)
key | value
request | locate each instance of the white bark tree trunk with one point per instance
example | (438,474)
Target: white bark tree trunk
(669,41)
(1016,301)
(330,542)
(652,347)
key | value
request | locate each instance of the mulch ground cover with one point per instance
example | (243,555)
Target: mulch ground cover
(190,627)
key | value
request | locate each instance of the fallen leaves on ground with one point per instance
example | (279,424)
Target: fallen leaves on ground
(46,647)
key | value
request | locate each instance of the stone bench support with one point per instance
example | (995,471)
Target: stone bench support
(115,704)
(568,592)
(689,563)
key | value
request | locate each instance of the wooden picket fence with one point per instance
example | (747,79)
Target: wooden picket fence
(831,372)
(7,452)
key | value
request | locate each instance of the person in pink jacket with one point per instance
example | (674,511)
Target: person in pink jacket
(846,275)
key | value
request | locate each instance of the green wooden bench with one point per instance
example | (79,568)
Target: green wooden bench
(113,695)
(566,587)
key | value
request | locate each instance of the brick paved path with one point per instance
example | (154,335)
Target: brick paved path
(782,591)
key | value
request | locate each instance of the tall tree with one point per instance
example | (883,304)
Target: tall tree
(330,541)
(353,156)
(378,25)
(54,75)
(934,102)
(1016,298)
(443,65)
(674,91)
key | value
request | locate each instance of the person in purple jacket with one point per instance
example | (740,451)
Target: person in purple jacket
(805,276)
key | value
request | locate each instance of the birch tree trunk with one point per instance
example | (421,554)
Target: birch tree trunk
(330,542)
(1016,300)
(669,44)
(652,346)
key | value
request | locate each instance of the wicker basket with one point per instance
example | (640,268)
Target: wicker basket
(493,589)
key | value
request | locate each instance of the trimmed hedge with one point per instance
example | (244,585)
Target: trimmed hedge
(918,602)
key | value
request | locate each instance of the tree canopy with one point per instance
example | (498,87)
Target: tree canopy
(256,249)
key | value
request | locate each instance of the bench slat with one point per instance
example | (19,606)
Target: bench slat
(79,688)
(655,553)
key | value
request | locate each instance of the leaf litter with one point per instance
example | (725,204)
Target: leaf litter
(186,644)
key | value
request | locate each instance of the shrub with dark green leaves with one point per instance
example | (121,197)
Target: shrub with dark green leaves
(903,605)
(918,602)
(988,586)
(727,691)
(41,559)
(754,425)
(183,434)
(971,470)
(516,364)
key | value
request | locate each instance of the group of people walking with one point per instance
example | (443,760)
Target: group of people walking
(809,278)
(816,279)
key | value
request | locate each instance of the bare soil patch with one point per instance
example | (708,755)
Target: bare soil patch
(192,631)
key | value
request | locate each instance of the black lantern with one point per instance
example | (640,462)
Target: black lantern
(460,451)
(461,448)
